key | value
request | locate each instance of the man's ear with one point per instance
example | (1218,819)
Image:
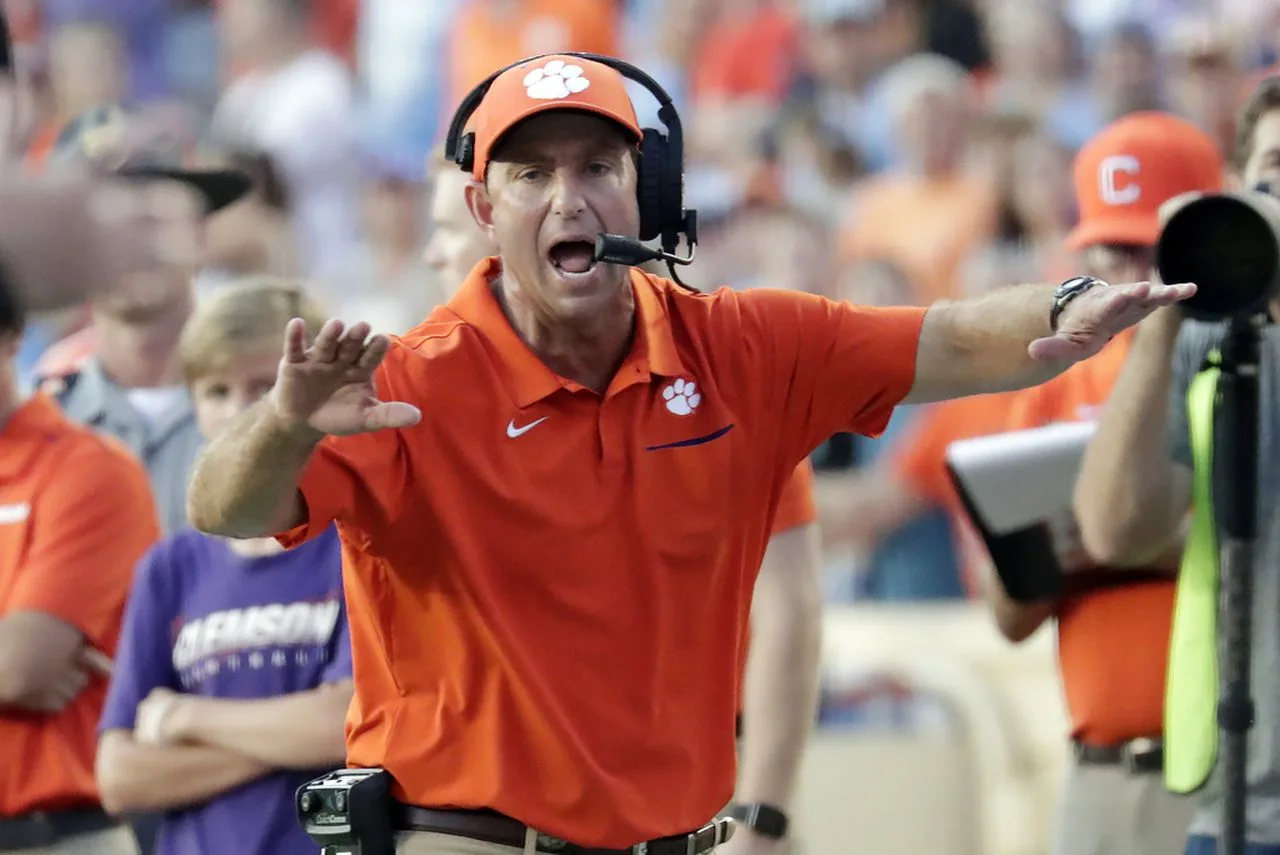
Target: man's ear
(480,205)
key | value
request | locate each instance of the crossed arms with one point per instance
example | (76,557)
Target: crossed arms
(44,663)
(188,749)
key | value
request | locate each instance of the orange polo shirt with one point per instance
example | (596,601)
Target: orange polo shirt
(76,514)
(1113,634)
(548,587)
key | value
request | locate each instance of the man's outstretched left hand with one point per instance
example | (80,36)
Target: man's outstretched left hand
(1090,320)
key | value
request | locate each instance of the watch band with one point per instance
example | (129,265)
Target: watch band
(1068,291)
(765,820)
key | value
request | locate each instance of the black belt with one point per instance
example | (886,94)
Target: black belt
(38,830)
(1139,756)
(493,827)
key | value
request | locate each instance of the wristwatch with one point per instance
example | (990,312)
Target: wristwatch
(1068,291)
(765,820)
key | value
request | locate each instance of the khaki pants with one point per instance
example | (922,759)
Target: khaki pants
(430,843)
(1105,810)
(113,841)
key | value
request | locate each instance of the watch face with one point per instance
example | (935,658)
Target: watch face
(1073,285)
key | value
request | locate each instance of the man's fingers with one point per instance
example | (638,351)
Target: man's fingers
(352,343)
(1054,348)
(394,414)
(1168,294)
(325,347)
(96,661)
(374,351)
(295,341)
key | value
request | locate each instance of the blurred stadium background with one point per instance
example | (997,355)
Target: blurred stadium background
(887,151)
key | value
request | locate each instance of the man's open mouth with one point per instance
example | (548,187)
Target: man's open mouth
(573,256)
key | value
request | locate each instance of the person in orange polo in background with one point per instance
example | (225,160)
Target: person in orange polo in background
(76,514)
(1113,625)
(554,495)
(783,660)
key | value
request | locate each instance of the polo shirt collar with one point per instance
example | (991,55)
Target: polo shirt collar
(529,380)
(26,433)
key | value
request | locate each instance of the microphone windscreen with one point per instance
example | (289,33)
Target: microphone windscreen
(617,249)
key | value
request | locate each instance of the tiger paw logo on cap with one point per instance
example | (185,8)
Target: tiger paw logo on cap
(554,81)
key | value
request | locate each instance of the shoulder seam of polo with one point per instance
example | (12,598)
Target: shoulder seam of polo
(448,329)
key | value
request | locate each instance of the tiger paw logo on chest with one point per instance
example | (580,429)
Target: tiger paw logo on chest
(682,397)
(557,79)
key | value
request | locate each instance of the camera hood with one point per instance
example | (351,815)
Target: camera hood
(1228,244)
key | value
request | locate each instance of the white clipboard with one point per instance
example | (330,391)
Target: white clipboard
(1023,478)
(1017,490)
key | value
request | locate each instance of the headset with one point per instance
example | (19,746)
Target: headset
(659,182)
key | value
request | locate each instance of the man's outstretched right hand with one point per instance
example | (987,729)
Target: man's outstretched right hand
(328,387)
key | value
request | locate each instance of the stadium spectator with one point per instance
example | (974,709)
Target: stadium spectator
(1115,799)
(126,379)
(235,669)
(295,102)
(87,70)
(929,214)
(255,236)
(75,515)
(1134,490)
(388,283)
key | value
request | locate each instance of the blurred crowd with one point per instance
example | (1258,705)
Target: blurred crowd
(881,151)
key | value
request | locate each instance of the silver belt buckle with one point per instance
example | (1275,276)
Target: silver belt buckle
(640,848)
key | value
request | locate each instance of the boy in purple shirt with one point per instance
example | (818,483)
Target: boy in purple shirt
(233,675)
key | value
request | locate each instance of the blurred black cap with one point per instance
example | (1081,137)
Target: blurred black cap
(147,146)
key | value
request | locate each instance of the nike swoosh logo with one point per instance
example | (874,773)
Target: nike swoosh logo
(513,431)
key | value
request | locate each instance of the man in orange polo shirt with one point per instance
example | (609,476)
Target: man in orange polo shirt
(1115,801)
(781,674)
(75,516)
(555,494)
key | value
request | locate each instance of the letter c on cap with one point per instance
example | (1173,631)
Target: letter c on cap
(1117,184)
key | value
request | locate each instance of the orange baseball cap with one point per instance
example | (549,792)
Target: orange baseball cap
(549,83)
(1130,168)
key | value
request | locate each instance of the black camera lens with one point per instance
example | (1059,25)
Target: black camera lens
(1228,247)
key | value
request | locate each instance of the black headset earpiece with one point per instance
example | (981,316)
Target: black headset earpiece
(651,185)
(660,179)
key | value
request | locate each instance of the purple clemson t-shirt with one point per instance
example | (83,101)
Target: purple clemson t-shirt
(205,621)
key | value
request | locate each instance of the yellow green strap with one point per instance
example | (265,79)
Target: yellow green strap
(1191,690)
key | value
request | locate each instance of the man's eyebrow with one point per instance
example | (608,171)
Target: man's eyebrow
(608,150)
(517,158)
